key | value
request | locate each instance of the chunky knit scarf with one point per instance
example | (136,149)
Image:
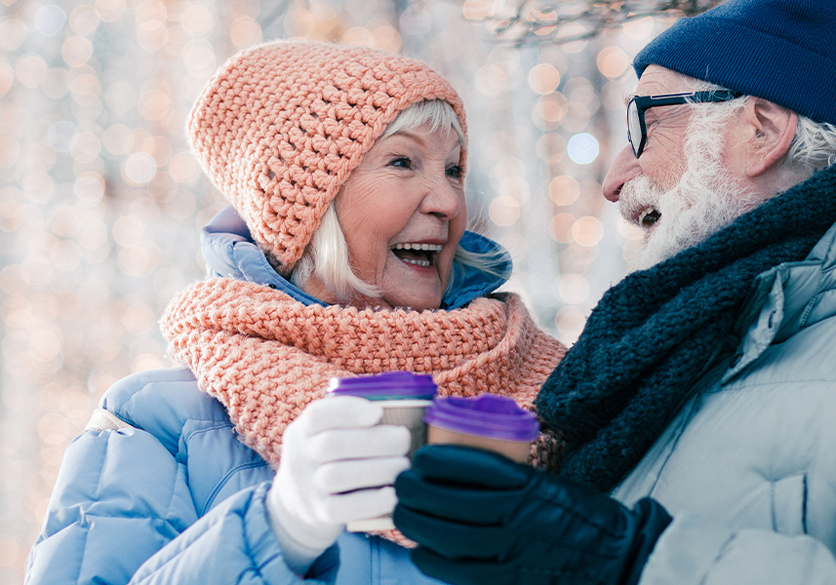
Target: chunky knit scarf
(654,333)
(266,356)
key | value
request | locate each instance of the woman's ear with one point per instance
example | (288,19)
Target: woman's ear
(771,131)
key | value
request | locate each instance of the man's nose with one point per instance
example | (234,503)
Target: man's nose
(624,167)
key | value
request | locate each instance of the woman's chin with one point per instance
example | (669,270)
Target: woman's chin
(413,298)
(412,287)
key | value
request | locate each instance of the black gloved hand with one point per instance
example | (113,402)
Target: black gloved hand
(482,519)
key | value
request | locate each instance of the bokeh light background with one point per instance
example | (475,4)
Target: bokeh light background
(101,201)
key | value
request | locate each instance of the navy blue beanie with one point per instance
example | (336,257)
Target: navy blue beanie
(783,51)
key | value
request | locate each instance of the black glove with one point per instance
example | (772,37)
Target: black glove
(482,519)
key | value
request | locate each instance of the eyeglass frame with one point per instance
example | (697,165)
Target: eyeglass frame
(643,103)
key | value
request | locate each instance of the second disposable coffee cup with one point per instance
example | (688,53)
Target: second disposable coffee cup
(404,397)
(491,422)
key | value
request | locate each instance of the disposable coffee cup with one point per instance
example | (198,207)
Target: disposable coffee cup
(494,423)
(404,397)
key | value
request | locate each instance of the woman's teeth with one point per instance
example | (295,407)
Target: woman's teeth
(416,254)
(430,247)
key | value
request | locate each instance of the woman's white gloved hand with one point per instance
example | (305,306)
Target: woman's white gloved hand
(336,466)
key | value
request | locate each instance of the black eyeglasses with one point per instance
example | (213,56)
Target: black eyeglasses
(636,128)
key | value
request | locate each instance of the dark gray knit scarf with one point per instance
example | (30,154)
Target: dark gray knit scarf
(652,334)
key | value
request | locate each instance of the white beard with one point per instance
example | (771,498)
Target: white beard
(704,200)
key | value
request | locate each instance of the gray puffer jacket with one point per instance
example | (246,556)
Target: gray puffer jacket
(748,467)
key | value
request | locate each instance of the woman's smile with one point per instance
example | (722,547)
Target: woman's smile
(421,255)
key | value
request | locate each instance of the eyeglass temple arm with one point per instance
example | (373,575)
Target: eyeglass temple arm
(683,98)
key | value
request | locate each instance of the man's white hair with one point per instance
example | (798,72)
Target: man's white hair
(814,146)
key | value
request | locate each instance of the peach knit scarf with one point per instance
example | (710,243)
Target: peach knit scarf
(266,356)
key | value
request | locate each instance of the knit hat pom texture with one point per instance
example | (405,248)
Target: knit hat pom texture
(280,127)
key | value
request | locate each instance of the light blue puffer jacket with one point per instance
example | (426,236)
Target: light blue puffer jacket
(160,489)
(748,467)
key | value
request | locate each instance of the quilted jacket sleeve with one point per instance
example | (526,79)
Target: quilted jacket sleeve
(119,497)
(122,512)
(161,492)
(232,544)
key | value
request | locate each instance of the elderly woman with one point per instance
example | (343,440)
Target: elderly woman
(344,253)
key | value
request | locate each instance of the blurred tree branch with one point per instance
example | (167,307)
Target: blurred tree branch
(565,21)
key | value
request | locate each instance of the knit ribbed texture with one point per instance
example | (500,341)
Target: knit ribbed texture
(281,126)
(652,335)
(265,356)
(783,51)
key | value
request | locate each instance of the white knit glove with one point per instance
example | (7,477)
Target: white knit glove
(333,447)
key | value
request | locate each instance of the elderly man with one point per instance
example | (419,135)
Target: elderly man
(699,404)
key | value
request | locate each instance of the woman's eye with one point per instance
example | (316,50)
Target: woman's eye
(403,162)
(455,172)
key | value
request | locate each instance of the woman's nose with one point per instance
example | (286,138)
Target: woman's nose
(443,199)
(624,167)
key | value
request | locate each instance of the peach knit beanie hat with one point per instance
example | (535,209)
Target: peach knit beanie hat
(280,127)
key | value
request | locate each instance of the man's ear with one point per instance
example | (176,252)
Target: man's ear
(772,129)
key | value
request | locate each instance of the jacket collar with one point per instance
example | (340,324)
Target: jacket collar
(230,252)
(785,300)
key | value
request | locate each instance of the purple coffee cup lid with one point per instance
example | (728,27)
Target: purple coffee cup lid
(489,415)
(385,386)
